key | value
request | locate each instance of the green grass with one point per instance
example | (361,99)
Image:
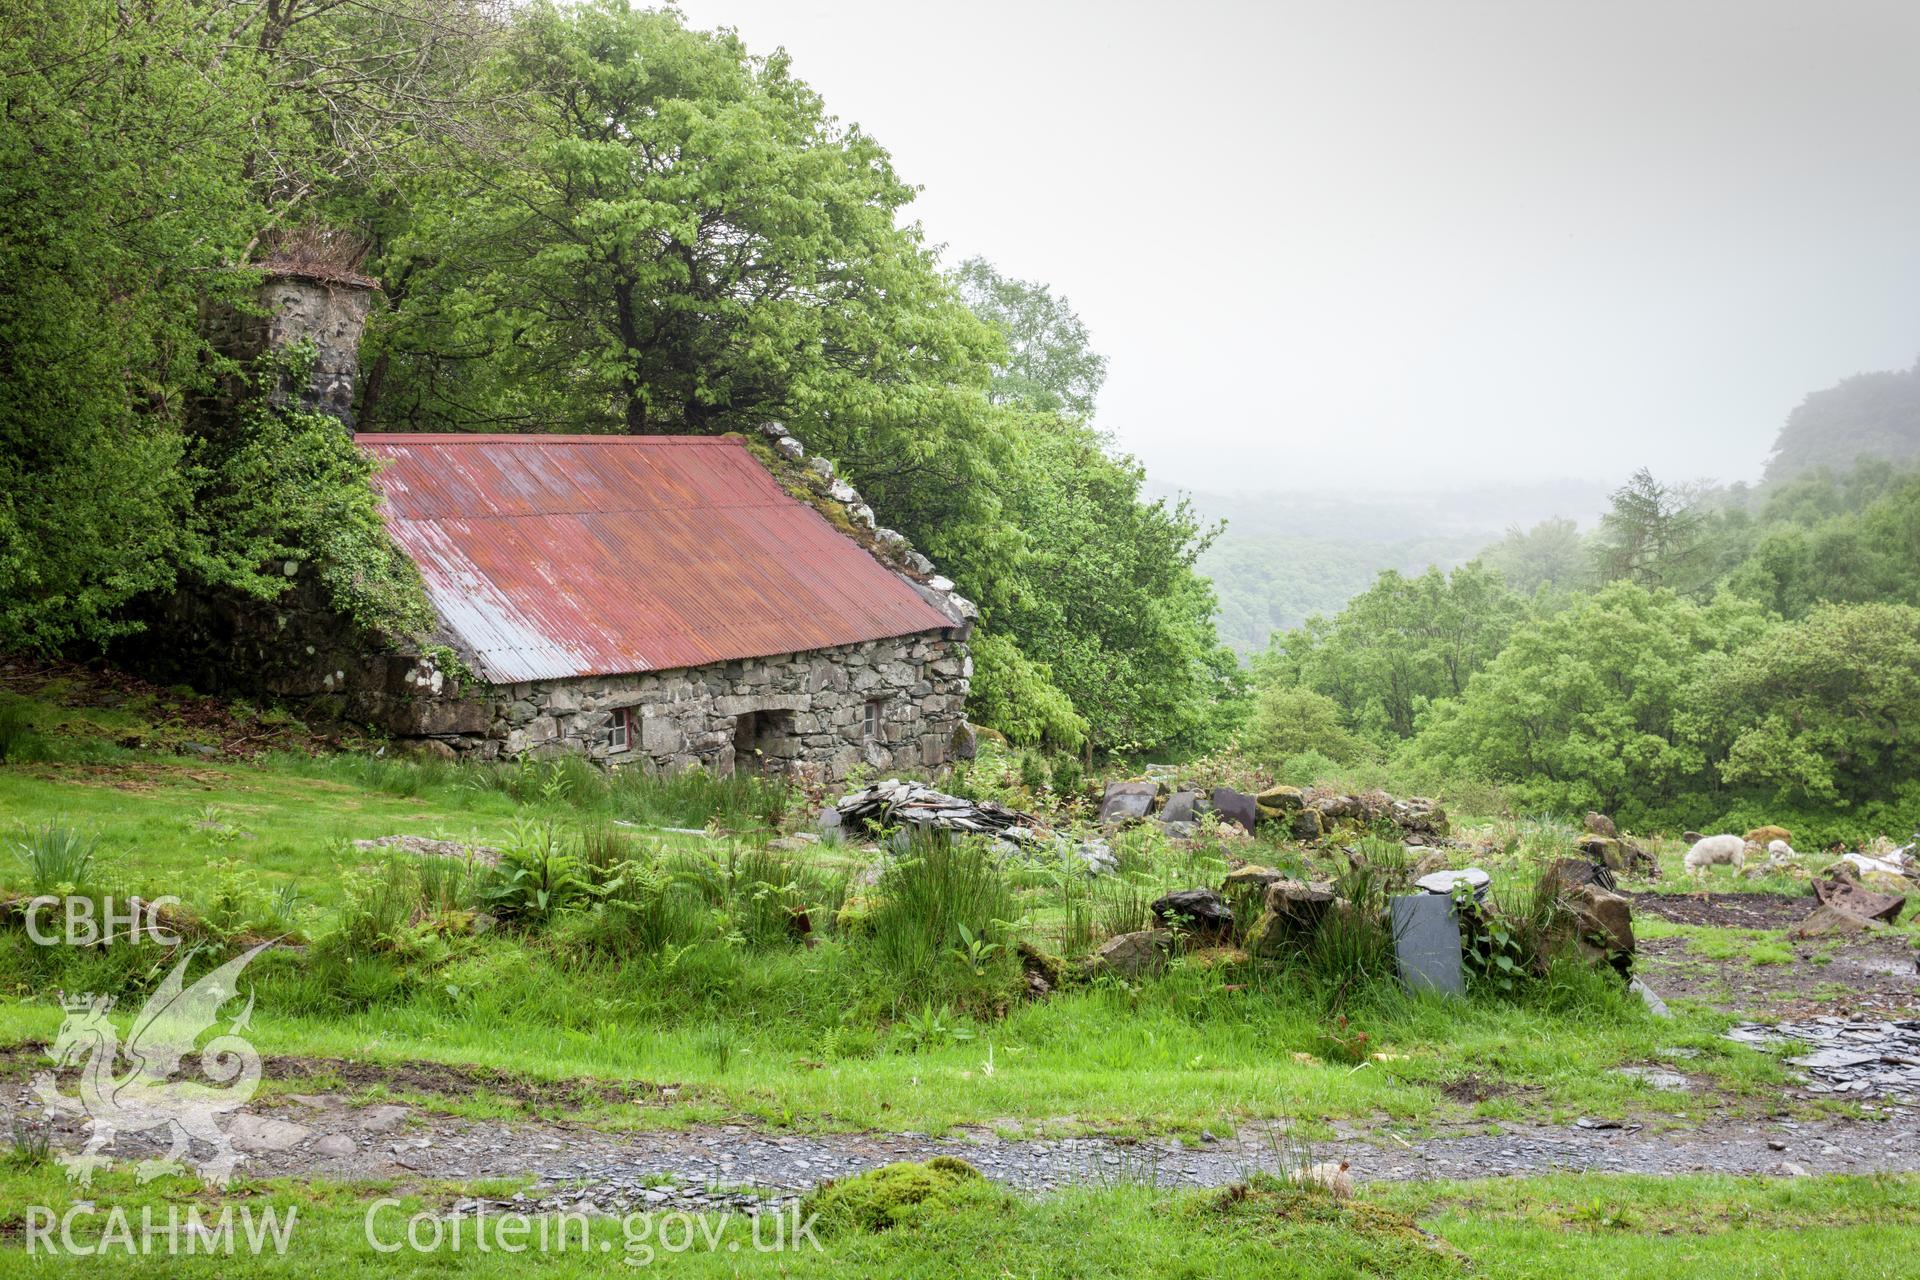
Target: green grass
(1550,1228)
(1754,946)
(880,1026)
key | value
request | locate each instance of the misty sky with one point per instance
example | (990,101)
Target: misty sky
(1389,243)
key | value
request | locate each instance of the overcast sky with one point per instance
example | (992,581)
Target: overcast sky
(1391,242)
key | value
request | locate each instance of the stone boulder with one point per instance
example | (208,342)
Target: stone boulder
(1569,874)
(1307,826)
(1126,802)
(1275,801)
(1250,879)
(1292,912)
(1236,807)
(1603,924)
(1829,920)
(1600,824)
(1131,955)
(1201,913)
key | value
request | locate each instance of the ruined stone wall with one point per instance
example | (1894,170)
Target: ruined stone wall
(811,711)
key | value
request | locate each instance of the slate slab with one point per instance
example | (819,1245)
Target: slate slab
(1127,802)
(1235,806)
(1180,806)
(1426,944)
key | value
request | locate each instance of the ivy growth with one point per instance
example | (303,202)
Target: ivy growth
(280,489)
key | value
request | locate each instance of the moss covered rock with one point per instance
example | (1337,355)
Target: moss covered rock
(893,1194)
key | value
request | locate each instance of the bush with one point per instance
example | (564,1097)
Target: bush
(1069,777)
(1288,720)
(17,735)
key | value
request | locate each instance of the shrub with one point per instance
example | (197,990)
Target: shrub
(537,876)
(1289,720)
(1069,777)
(17,735)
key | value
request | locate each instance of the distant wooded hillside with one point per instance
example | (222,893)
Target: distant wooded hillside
(1286,556)
(1870,415)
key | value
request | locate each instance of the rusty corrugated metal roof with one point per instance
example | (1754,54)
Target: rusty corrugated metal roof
(553,556)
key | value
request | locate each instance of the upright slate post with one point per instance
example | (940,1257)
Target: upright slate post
(1426,943)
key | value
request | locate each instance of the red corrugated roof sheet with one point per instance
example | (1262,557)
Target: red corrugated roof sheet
(553,556)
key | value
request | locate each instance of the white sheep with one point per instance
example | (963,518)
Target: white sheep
(1779,851)
(1710,850)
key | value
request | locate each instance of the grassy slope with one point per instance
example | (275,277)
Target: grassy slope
(771,1038)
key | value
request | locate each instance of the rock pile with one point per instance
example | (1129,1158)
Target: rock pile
(1604,845)
(1306,815)
(1847,905)
(895,804)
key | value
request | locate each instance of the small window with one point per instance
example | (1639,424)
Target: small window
(872,723)
(620,734)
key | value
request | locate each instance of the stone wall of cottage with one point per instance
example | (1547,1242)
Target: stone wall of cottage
(887,704)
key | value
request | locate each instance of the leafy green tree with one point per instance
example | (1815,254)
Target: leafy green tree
(1049,365)
(1101,586)
(1552,554)
(1017,696)
(1870,415)
(1820,711)
(1853,556)
(1400,646)
(1288,721)
(1583,707)
(118,205)
(146,153)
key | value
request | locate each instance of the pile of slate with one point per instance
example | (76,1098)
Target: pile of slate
(899,806)
(896,804)
(1855,1059)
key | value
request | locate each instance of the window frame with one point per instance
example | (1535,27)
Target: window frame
(870,719)
(620,731)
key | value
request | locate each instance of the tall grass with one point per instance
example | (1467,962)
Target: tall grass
(941,901)
(59,859)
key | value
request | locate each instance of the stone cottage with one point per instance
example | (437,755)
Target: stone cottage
(661,601)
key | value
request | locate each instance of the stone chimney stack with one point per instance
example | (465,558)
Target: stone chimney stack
(330,311)
(310,291)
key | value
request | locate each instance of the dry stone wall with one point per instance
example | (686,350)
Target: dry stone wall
(887,704)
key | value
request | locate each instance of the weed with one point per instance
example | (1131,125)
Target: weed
(32,1144)
(59,859)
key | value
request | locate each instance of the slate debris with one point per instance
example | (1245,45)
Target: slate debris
(1857,1059)
(894,803)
